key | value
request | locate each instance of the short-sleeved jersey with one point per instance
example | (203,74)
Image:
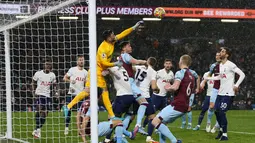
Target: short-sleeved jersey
(44,81)
(215,69)
(162,78)
(194,73)
(181,100)
(143,78)
(227,72)
(121,81)
(209,83)
(125,58)
(80,77)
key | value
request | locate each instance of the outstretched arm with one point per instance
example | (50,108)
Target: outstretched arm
(123,34)
(127,58)
(128,31)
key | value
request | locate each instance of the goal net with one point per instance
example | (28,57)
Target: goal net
(38,30)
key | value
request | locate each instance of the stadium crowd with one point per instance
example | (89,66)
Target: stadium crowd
(164,42)
(167,39)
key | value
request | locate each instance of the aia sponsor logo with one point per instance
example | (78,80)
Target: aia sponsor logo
(45,83)
(79,79)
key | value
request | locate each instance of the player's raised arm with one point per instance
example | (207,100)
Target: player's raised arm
(127,31)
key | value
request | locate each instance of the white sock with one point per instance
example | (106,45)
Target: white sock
(107,140)
(38,130)
(225,134)
(198,126)
(138,125)
(221,129)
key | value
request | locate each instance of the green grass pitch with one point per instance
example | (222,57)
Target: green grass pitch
(241,129)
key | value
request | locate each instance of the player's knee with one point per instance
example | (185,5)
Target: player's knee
(152,116)
(156,121)
(117,123)
(87,89)
(145,103)
(211,105)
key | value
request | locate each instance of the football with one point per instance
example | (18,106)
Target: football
(159,12)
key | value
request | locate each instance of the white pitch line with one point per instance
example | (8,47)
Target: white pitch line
(236,132)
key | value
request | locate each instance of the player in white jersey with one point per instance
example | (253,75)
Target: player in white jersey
(164,76)
(206,103)
(124,97)
(44,79)
(76,76)
(227,90)
(145,78)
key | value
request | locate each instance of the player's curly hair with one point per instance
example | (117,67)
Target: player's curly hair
(106,34)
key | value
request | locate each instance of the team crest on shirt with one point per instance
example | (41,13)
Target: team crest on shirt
(103,55)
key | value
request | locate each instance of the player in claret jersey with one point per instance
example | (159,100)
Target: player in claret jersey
(128,61)
(183,84)
(227,90)
(44,80)
(191,100)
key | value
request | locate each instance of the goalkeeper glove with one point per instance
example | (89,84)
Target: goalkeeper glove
(137,25)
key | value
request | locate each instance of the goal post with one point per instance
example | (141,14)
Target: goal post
(27,43)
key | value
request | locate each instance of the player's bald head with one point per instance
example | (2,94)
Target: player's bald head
(186,60)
